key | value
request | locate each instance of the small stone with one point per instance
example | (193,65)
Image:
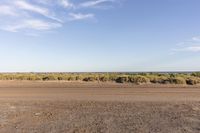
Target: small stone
(37,114)
(12,107)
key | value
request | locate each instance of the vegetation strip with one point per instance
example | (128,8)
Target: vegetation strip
(136,78)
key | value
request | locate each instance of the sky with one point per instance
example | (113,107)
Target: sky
(99,35)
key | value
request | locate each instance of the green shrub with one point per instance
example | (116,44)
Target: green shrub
(197,74)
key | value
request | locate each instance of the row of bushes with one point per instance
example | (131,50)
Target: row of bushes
(141,78)
(159,80)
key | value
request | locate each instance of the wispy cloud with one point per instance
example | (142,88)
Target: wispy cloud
(196,38)
(36,9)
(44,15)
(66,3)
(30,7)
(188,49)
(32,24)
(190,45)
(94,3)
(80,16)
(7,10)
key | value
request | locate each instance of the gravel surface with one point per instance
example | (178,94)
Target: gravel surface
(35,107)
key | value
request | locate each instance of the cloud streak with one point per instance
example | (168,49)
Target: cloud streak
(188,49)
(30,7)
(44,15)
(66,4)
(36,9)
(94,3)
(7,10)
(32,25)
(191,45)
(80,16)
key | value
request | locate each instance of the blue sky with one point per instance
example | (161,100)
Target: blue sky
(99,35)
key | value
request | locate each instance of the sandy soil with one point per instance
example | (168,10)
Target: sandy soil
(59,107)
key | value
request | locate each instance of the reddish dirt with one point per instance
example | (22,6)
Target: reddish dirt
(54,107)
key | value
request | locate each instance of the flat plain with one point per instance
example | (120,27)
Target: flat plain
(60,107)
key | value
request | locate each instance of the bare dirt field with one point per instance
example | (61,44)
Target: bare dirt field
(60,107)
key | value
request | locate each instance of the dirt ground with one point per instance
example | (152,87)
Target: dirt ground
(62,107)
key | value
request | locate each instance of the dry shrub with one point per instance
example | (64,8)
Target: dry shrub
(142,78)
(178,80)
(160,79)
(192,80)
(34,77)
(138,79)
(79,78)
(89,79)
(103,78)
(45,78)
(71,78)
(122,79)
